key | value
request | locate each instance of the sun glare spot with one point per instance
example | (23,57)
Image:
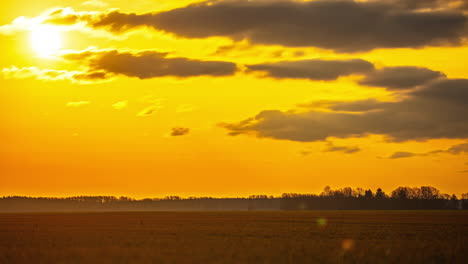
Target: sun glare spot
(46,40)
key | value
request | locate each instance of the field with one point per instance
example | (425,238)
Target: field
(235,237)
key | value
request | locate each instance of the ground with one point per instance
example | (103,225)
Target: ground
(236,237)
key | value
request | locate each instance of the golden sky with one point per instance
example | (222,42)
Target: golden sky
(149,98)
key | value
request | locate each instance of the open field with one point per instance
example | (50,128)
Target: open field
(236,237)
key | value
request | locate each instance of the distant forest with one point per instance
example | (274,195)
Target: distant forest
(402,198)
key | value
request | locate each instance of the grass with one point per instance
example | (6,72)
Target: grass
(235,237)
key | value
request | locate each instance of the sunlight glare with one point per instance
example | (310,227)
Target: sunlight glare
(46,40)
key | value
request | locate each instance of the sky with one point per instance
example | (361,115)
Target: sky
(149,98)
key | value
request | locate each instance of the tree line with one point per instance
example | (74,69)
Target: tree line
(402,198)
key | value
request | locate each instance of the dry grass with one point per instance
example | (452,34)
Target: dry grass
(235,237)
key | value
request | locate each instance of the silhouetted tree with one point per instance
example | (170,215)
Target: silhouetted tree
(379,194)
(369,194)
(428,192)
(402,193)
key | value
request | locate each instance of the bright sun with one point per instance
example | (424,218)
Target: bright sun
(46,40)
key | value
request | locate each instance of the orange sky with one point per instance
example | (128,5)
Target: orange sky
(64,132)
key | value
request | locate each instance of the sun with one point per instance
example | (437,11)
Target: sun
(46,40)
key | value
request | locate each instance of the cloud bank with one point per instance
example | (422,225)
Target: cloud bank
(340,25)
(436,110)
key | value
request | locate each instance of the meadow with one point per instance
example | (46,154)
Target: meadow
(235,237)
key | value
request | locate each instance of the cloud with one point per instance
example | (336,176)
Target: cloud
(120,105)
(393,78)
(156,104)
(305,153)
(402,154)
(179,131)
(436,110)
(316,69)
(458,149)
(78,104)
(95,3)
(67,18)
(427,4)
(149,110)
(55,75)
(454,150)
(149,64)
(344,149)
(340,25)
(18,25)
(403,77)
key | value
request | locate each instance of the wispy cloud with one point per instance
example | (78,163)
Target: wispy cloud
(95,3)
(78,104)
(120,105)
(156,105)
(454,150)
(148,111)
(345,149)
(54,75)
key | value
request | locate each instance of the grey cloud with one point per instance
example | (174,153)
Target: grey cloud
(404,77)
(401,154)
(458,149)
(150,64)
(393,78)
(340,25)
(344,149)
(90,76)
(437,110)
(360,106)
(454,150)
(425,4)
(316,69)
(179,131)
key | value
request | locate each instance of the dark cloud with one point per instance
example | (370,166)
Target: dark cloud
(150,64)
(179,131)
(394,78)
(313,69)
(340,25)
(401,154)
(344,149)
(437,110)
(425,4)
(454,150)
(91,76)
(404,77)
(458,149)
